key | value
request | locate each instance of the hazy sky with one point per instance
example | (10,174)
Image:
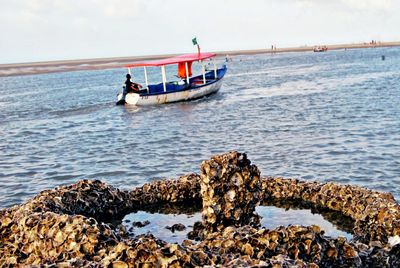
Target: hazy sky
(39,30)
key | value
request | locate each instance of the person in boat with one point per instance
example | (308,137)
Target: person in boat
(131,86)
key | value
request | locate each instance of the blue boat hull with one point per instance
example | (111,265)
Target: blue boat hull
(176,91)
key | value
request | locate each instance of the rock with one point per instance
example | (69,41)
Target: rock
(230,190)
(176,227)
(140,224)
(70,226)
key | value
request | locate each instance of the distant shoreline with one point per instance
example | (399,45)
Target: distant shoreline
(14,69)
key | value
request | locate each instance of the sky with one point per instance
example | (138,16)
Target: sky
(43,30)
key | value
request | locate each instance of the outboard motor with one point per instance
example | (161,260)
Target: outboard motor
(120,102)
(121,97)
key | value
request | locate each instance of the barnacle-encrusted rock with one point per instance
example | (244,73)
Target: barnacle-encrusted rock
(185,189)
(176,227)
(74,226)
(47,238)
(230,189)
(140,224)
(376,215)
(88,198)
(304,244)
(38,238)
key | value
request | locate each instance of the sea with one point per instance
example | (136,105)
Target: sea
(327,117)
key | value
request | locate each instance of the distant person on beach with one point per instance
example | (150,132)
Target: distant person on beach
(131,86)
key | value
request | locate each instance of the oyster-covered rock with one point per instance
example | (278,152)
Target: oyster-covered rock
(186,189)
(79,225)
(88,198)
(176,227)
(230,190)
(376,215)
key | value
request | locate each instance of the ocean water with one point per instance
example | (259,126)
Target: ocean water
(331,116)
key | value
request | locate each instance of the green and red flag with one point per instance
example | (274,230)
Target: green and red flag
(194,41)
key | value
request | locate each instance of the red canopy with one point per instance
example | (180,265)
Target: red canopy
(174,60)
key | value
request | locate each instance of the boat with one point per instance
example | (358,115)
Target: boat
(321,49)
(186,88)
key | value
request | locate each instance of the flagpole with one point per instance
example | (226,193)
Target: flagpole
(194,41)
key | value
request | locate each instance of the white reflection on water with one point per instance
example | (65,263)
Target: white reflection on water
(273,217)
(158,222)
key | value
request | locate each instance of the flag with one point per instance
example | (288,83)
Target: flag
(194,41)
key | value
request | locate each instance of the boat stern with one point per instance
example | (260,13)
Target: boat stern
(130,99)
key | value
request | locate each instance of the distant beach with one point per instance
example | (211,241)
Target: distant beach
(117,62)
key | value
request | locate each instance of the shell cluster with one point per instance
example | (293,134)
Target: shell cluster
(74,226)
(376,215)
(186,189)
(231,190)
(88,198)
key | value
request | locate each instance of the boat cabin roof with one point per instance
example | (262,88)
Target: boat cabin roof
(174,60)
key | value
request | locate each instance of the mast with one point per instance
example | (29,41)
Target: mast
(145,78)
(187,72)
(164,78)
(215,69)
(203,71)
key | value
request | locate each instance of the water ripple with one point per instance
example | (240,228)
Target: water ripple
(333,116)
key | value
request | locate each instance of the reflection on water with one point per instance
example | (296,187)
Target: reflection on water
(159,222)
(272,217)
(132,109)
(333,116)
(340,221)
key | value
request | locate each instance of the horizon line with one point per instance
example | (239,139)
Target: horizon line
(25,68)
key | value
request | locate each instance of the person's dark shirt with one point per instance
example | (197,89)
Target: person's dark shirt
(130,86)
